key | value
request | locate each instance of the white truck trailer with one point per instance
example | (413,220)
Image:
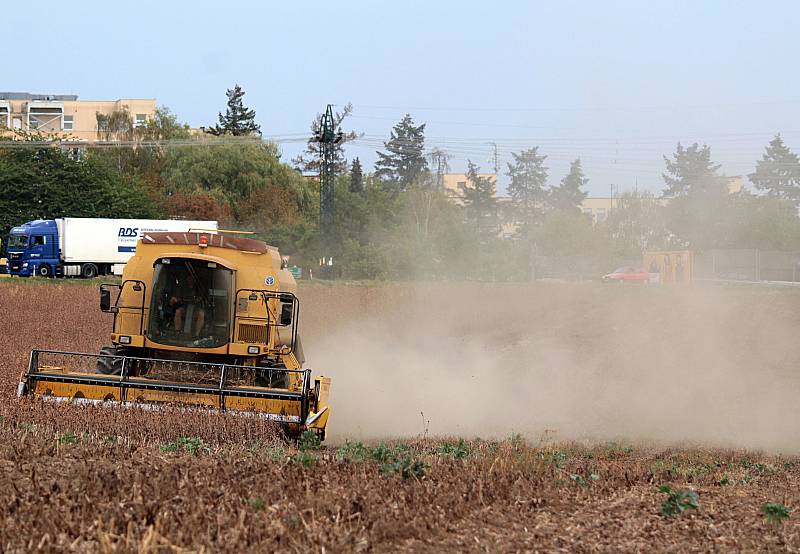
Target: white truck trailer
(84,247)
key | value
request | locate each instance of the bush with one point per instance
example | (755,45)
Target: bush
(775,513)
(406,468)
(352,451)
(304,458)
(309,440)
(193,445)
(678,501)
(68,438)
(256,503)
(580,480)
(457,450)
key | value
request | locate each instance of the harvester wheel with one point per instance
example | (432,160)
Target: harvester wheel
(274,378)
(111,366)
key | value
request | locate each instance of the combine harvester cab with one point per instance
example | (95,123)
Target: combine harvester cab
(200,320)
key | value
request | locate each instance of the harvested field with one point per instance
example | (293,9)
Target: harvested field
(695,387)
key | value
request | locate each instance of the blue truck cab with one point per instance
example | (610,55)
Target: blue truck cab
(32,249)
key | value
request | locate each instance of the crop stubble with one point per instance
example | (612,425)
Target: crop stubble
(112,486)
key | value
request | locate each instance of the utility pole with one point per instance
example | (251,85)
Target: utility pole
(616,155)
(495,165)
(439,160)
(611,203)
(327,139)
(494,160)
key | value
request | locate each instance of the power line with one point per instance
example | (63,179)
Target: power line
(167,143)
(505,109)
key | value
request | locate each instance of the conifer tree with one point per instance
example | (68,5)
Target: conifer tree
(569,194)
(699,202)
(405,159)
(778,172)
(691,171)
(356,177)
(527,187)
(238,120)
(480,202)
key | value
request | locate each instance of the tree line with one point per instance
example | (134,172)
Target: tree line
(397,221)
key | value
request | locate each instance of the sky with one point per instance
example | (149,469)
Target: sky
(617,84)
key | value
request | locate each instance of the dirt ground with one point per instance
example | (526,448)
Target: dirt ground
(586,400)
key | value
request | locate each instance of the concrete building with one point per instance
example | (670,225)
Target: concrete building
(735,184)
(454,184)
(64,114)
(598,207)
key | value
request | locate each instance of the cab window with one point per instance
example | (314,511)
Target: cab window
(39,240)
(18,241)
(190,305)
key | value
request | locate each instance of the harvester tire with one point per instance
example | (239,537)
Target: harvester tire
(280,380)
(275,378)
(110,366)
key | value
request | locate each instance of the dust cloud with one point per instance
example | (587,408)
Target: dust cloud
(674,365)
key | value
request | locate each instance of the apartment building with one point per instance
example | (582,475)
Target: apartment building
(453,184)
(599,207)
(65,115)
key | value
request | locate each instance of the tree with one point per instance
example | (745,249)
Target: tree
(309,160)
(480,202)
(45,183)
(405,157)
(232,173)
(363,225)
(238,120)
(116,126)
(527,187)
(356,177)
(762,222)
(198,206)
(145,159)
(691,170)
(270,205)
(636,225)
(164,125)
(564,234)
(778,172)
(699,202)
(569,194)
(431,233)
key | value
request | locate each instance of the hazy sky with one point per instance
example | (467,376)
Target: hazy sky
(616,83)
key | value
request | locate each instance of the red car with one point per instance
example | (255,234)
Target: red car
(627,275)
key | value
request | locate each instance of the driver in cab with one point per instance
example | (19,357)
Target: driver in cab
(190,315)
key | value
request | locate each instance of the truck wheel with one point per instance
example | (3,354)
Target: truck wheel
(89,271)
(44,270)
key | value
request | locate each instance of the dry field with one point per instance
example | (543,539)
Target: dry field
(586,400)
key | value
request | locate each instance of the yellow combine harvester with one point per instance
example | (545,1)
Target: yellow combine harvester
(200,319)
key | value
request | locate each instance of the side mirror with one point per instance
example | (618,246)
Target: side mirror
(287,311)
(105,300)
